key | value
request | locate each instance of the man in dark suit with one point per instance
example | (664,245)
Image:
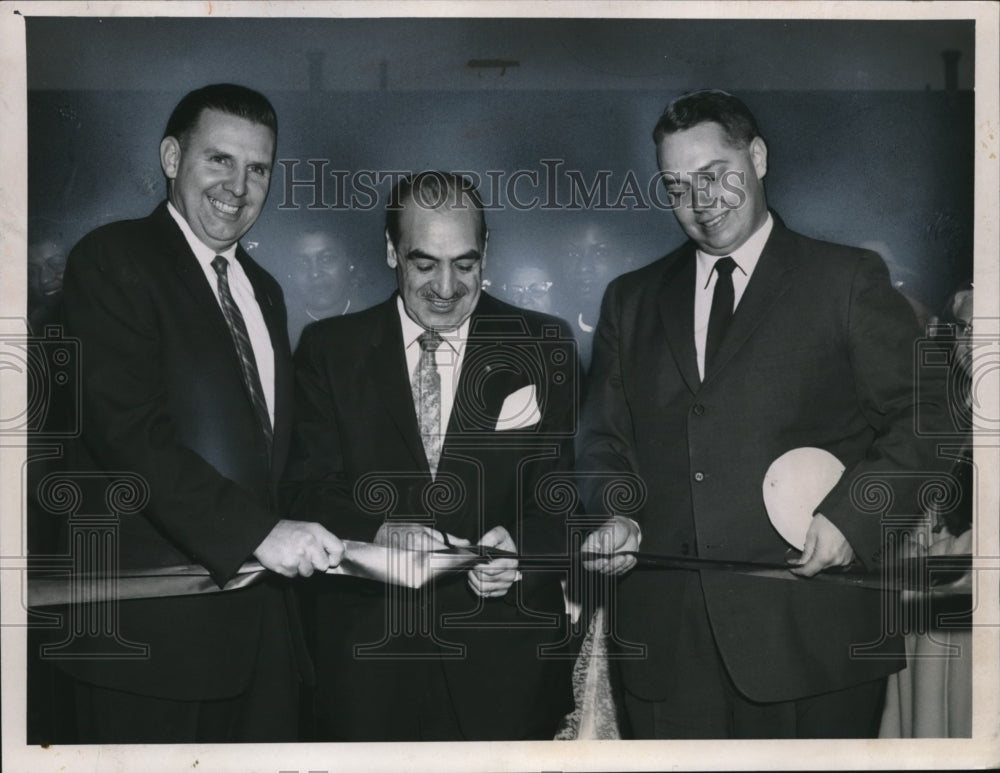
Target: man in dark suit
(698,400)
(187,384)
(438,412)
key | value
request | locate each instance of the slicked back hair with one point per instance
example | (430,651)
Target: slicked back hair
(432,190)
(228,98)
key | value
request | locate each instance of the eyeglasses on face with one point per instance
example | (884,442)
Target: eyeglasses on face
(534,290)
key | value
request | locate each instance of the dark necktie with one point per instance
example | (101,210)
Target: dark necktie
(427,398)
(722,309)
(248,363)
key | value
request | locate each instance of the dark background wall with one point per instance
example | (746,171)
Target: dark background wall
(870,132)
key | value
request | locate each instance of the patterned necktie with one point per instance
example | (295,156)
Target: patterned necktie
(248,363)
(722,309)
(427,398)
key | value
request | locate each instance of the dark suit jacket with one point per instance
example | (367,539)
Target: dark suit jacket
(163,397)
(820,353)
(355,426)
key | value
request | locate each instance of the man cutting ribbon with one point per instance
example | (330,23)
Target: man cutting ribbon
(747,341)
(186,377)
(430,421)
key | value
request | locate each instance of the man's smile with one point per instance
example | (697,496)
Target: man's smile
(225,209)
(443,305)
(714,223)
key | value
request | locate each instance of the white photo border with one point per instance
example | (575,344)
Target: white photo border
(982,750)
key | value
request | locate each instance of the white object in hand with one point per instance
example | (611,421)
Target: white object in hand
(795,484)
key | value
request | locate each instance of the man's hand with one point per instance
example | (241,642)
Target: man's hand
(825,546)
(618,535)
(495,578)
(299,548)
(411,545)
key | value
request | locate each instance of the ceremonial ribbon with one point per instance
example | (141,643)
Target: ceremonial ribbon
(414,568)
(794,485)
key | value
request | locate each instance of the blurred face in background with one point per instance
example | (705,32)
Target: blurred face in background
(323,272)
(529,287)
(960,310)
(591,262)
(46,263)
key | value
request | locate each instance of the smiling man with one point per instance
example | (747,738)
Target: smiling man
(459,405)
(186,375)
(746,342)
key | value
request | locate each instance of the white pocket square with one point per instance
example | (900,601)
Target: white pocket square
(519,410)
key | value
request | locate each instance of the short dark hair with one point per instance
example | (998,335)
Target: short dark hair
(432,189)
(227,98)
(708,106)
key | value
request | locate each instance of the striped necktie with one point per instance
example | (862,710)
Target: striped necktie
(248,363)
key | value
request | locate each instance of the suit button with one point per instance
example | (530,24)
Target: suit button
(698,409)
(686,549)
(699,476)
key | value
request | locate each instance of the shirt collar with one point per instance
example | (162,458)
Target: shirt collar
(202,251)
(412,331)
(745,256)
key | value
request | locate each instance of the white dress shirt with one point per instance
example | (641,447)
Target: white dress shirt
(448,357)
(746,256)
(243,295)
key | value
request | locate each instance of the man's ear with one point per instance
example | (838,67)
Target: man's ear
(486,241)
(758,154)
(170,156)
(390,252)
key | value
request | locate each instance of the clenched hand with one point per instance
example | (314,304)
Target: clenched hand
(299,548)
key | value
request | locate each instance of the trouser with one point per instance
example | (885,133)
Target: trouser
(265,712)
(704,702)
(850,713)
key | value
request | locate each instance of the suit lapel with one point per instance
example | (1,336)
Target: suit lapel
(277,330)
(176,248)
(769,281)
(483,383)
(490,371)
(393,381)
(676,304)
(193,278)
(262,293)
